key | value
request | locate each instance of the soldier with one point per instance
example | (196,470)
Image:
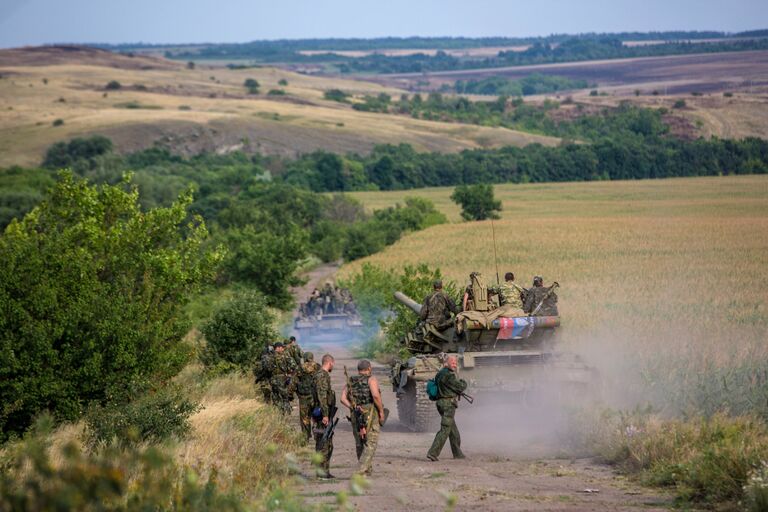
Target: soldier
(540,295)
(262,373)
(305,383)
(449,388)
(326,402)
(437,308)
(294,350)
(363,390)
(511,293)
(284,368)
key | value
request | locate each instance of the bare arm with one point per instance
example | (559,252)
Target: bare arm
(376,394)
(344,399)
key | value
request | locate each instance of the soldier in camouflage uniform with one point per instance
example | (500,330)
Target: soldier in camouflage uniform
(538,294)
(511,293)
(262,373)
(449,388)
(305,384)
(326,401)
(294,350)
(363,389)
(437,308)
(284,368)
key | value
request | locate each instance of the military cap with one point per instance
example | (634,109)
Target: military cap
(437,284)
(309,356)
(538,279)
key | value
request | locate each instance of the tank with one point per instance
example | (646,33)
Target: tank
(500,351)
(327,316)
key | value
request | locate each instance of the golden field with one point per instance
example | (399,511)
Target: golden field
(677,265)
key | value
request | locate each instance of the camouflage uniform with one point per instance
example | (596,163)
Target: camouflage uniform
(363,398)
(437,308)
(326,400)
(305,383)
(511,294)
(449,386)
(262,373)
(294,350)
(282,381)
(535,295)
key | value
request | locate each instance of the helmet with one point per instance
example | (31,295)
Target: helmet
(538,281)
(309,356)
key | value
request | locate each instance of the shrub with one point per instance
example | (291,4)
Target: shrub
(252,85)
(190,65)
(282,82)
(238,332)
(112,479)
(756,489)
(679,104)
(476,201)
(336,95)
(66,154)
(728,94)
(93,290)
(153,417)
(113,85)
(58,122)
(276,92)
(593,92)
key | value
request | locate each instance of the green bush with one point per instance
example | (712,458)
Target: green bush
(113,85)
(92,291)
(111,479)
(238,332)
(679,104)
(58,122)
(65,154)
(276,92)
(282,82)
(336,95)
(151,418)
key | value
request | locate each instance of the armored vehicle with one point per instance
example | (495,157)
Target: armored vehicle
(329,314)
(500,350)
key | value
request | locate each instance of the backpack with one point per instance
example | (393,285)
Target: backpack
(432,391)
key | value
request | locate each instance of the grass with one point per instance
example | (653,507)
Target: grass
(182,97)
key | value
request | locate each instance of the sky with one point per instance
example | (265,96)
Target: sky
(33,22)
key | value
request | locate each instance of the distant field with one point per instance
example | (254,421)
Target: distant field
(203,109)
(675,74)
(683,261)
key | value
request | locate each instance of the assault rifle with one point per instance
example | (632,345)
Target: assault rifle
(550,291)
(359,415)
(329,429)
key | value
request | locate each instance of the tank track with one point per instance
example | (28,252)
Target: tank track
(415,410)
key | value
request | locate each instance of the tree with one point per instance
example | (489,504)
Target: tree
(92,292)
(476,201)
(252,85)
(66,154)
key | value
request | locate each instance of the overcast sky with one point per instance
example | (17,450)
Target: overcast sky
(32,22)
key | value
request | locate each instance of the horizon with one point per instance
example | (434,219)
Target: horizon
(180,22)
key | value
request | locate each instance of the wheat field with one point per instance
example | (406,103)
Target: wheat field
(675,269)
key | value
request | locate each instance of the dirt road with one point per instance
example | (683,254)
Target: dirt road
(505,470)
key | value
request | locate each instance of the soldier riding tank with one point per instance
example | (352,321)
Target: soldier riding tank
(500,350)
(328,314)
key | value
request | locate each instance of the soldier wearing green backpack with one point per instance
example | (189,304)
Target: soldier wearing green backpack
(449,389)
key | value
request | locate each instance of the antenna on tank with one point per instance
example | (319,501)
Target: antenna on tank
(495,259)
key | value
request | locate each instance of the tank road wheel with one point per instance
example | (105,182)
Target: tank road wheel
(415,410)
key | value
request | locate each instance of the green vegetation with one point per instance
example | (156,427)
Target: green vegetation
(58,122)
(113,85)
(252,85)
(533,84)
(238,332)
(93,291)
(476,201)
(336,95)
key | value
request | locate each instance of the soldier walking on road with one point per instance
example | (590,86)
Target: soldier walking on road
(449,389)
(294,350)
(362,394)
(326,403)
(262,373)
(284,368)
(305,384)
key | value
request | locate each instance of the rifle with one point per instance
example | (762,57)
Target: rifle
(550,291)
(329,429)
(357,411)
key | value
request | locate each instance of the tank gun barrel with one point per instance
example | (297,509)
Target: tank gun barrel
(409,302)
